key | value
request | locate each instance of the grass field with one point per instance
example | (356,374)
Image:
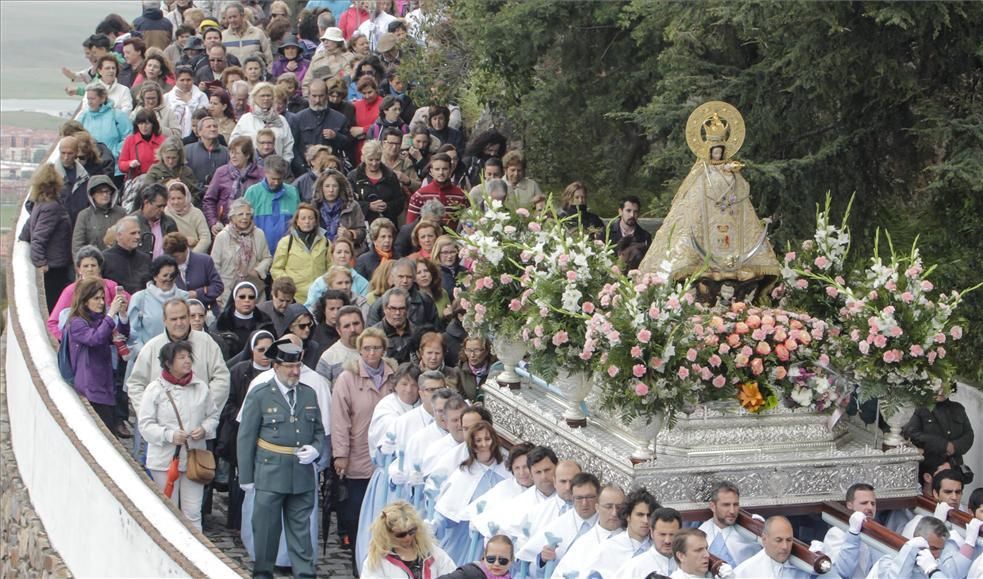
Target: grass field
(29,120)
(38,37)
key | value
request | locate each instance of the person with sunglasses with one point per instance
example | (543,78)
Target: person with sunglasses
(240,318)
(146,311)
(300,322)
(494,563)
(402,547)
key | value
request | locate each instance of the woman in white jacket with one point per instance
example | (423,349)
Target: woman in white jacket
(402,547)
(177,410)
(263,115)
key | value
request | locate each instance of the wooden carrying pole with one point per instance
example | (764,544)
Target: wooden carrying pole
(819,562)
(956,517)
(871,528)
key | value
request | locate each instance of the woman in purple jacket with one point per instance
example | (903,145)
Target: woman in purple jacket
(230,183)
(90,342)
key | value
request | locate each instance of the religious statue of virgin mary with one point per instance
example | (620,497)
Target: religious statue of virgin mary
(711,226)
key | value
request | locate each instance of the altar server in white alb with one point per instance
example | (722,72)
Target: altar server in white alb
(851,558)
(723,533)
(689,549)
(450,442)
(664,524)
(483,468)
(413,421)
(543,515)
(576,560)
(774,561)
(418,444)
(513,521)
(615,552)
(553,541)
(499,499)
(445,465)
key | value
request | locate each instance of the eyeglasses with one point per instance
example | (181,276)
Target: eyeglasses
(474,351)
(492,559)
(168,276)
(433,389)
(246,297)
(411,532)
(396,308)
(584,499)
(305,326)
(372,348)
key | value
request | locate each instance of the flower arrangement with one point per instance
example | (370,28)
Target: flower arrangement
(825,254)
(639,319)
(493,248)
(759,356)
(563,270)
(895,329)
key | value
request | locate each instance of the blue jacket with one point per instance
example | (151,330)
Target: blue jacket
(108,126)
(272,212)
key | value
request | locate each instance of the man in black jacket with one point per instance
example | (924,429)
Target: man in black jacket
(154,224)
(318,124)
(124,262)
(626,225)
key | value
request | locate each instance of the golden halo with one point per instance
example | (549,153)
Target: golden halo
(704,115)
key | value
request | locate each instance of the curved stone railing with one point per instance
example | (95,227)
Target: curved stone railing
(101,512)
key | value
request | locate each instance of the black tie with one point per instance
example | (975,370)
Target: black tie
(290,398)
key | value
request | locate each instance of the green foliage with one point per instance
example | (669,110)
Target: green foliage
(878,98)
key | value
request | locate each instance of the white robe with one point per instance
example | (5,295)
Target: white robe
(650,561)
(858,555)
(455,496)
(680,574)
(976,570)
(386,412)
(513,520)
(437,456)
(565,528)
(955,533)
(586,551)
(540,519)
(405,427)
(615,552)
(761,566)
(308,377)
(494,502)
(740,546)
(417,446)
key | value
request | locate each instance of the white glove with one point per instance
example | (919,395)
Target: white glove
(415,478)
(816,546)
(398,477)
(973,532)
(758,517)
(918,543)
(246,487)
(307,454)
(725,571)
(857,520)
(942,511)
(388,445)
(926,561)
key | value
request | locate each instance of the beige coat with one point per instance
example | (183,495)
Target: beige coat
(225,254)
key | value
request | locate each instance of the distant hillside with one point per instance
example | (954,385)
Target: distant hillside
(38,37)
(29,120)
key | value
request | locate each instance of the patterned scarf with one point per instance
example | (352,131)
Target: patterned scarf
(244,267)
(270,117)
(331,217)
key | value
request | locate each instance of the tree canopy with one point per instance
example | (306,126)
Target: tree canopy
(878,98)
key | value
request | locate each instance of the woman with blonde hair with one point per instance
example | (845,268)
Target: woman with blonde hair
(380,281)
(303,253)
(338,277)
(48,231)
(424,235)
(172,165)
(402,546)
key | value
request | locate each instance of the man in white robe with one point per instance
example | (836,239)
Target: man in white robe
(575,561)
(499,499)
(543,515)
(947,490)
(692,556)
(725,539)
(414,421)
(851,558)
(616,551)
(664,524)
(514,520)
(774,560)
(445,465)
(557,537)
(418,444)
(450,442)
(919,557)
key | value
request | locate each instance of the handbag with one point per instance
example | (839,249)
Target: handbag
(65,367)
(201,461)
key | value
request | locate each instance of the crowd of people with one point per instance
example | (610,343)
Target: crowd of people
(262,263)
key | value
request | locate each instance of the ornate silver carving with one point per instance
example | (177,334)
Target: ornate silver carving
(786,456)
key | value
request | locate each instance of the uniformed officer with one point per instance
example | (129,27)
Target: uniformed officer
(279,437)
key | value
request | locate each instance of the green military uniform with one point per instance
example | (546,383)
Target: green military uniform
(269,433)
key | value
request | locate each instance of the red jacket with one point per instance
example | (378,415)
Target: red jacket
(450,195)
(135,147)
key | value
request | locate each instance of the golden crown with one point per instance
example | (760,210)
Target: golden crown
(715,129)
